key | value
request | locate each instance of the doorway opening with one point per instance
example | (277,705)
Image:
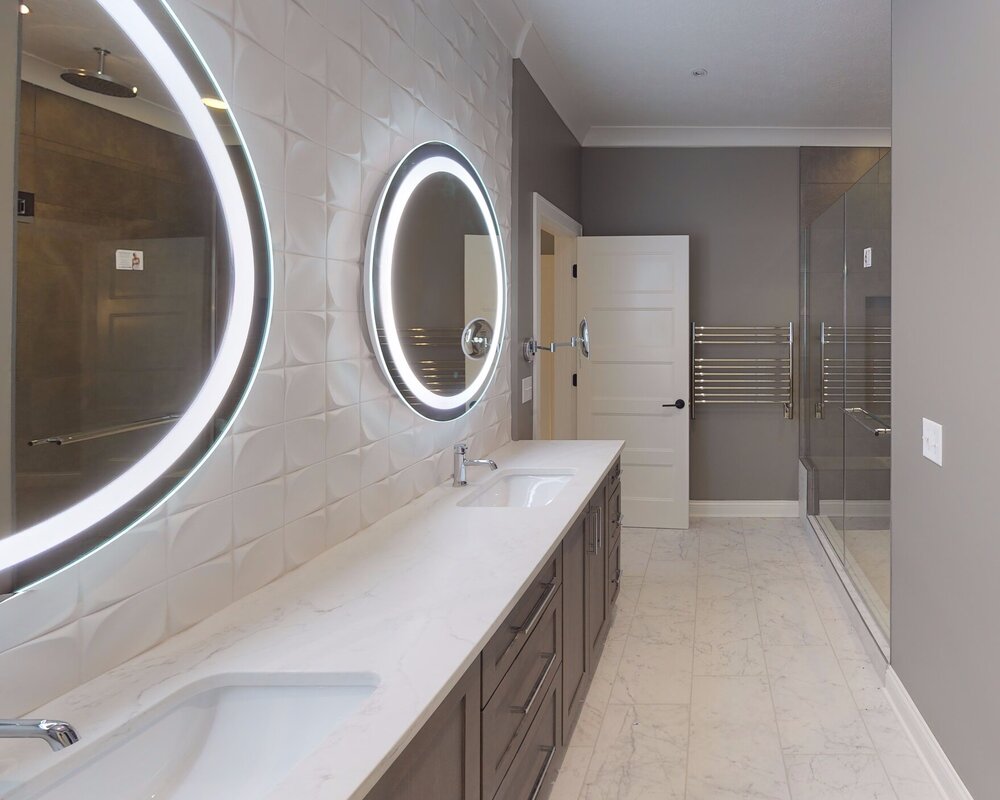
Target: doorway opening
(554,319)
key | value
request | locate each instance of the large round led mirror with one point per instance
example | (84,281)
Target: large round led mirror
(135,286)
(435,282)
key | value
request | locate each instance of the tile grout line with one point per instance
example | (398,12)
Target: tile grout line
(767,669)
(694,645)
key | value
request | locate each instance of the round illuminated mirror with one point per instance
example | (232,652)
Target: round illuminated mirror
(135,286)
(435,282)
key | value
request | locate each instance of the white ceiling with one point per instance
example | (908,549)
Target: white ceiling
(779,71)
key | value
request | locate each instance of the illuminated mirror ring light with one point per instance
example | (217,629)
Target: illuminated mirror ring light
(431,159)
(249,305)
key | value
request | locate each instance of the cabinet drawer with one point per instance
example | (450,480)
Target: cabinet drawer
(512,708)
(531,775)
(507,642)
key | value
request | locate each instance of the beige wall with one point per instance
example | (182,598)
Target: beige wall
(740,208)
(946,292)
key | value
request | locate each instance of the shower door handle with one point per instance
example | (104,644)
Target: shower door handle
(878,429)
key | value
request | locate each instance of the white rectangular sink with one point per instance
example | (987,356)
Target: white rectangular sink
(520,489)
(230,740)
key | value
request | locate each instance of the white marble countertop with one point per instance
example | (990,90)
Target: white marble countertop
(412,599)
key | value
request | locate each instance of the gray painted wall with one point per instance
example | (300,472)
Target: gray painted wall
(546,159)
(740,207)
(946,285)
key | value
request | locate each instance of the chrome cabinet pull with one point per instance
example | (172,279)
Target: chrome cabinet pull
(523,710)
(600,526)
(540,781)
(536,612)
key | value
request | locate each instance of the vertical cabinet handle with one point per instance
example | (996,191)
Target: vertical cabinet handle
(540,780)
(600,526)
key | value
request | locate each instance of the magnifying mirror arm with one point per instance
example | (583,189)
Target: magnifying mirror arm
(532,347)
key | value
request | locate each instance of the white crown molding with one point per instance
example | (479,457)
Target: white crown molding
(690,136)
(929,749)
(522,40)
(787,509)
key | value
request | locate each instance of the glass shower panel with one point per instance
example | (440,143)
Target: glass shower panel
(866,378)
(826,427)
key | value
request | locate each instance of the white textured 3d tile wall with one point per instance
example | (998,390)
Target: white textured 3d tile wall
(329,94)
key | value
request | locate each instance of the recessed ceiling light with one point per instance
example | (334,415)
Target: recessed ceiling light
(701,72)
(24,8)
(216,103)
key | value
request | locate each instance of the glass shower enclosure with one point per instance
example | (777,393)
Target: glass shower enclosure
(847,424)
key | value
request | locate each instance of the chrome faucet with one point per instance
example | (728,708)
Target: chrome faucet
(57,734)
(461,462)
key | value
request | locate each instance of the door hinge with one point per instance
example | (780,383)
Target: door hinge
(574,379)
(574,270)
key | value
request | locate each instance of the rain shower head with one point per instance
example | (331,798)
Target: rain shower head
(99,81)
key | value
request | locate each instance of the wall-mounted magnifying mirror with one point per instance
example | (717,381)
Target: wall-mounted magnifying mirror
(532,348)
(435,282)
(135,284)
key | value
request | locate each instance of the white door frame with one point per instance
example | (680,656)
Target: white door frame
(549,216)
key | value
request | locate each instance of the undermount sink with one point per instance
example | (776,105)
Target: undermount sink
(517,489)
(232,740)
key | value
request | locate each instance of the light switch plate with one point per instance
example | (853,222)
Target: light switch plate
(933,436)
(526,389)
(868,257)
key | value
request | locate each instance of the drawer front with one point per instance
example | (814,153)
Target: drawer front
(615,514)
(507,642)
(531,775)
(509,713)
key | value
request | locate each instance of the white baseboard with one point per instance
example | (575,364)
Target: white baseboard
(934,758)
(858,508)
(744,508)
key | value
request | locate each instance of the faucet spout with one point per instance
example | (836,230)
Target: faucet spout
(55,733)
(462,463)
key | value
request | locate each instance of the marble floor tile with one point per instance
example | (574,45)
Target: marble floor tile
(641,754)
(786,612)
(858,777)
(665,597)
(572,774)
(727,637)
(736,624)
(653,672)
(671,571)
(674,546)
(734,752)
(815,710)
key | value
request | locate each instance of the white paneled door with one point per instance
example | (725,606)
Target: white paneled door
(633,290)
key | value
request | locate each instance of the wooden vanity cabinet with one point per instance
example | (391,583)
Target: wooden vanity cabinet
(595,536)
(575,647)
(502,731)
(444,761)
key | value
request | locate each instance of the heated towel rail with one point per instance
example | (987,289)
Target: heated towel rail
(855,366)
(755,376)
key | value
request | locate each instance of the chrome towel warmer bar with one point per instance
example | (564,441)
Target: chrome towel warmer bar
(860,371)
(756,379)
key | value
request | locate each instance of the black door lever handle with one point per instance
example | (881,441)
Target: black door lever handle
(675,404)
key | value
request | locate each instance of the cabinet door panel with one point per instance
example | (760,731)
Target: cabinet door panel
(597,565)
(443,760)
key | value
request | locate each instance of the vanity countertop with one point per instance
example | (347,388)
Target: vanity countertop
(412,599)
